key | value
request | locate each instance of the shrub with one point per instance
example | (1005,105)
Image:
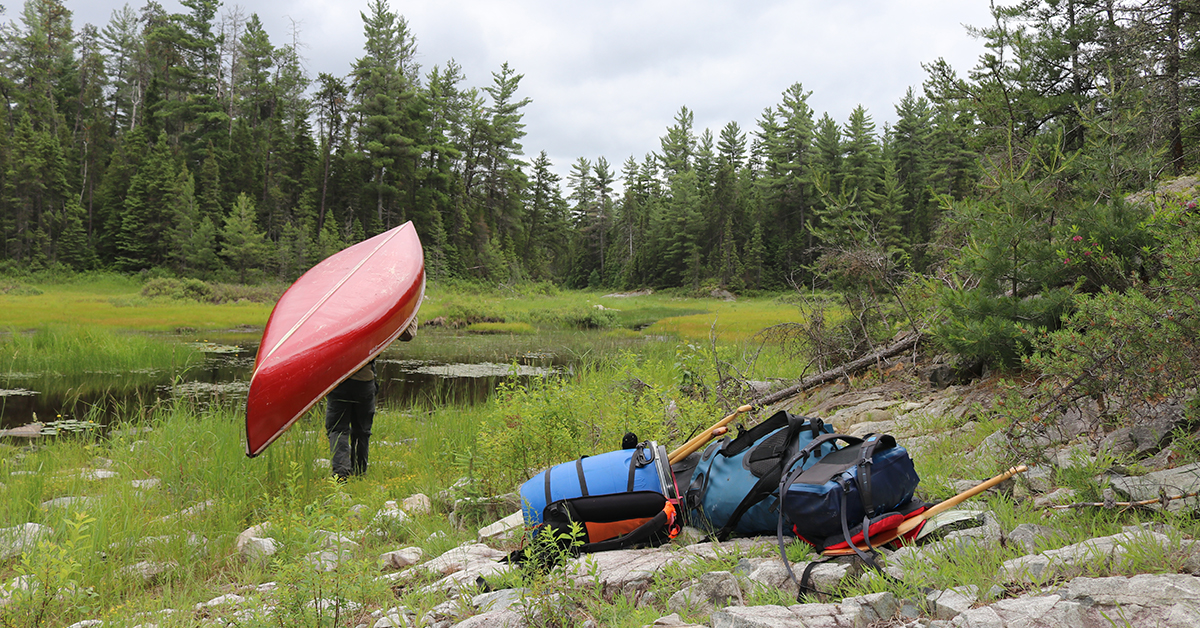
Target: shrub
(161,287)
(194,289)
(591,318)
(1127,349)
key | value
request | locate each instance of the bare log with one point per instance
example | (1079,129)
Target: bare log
(900,346)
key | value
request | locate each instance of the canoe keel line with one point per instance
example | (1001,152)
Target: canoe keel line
(331,322)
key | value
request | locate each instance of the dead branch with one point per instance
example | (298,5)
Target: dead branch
(900,346)
(1162,499)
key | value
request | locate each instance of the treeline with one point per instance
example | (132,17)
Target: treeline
(192,144)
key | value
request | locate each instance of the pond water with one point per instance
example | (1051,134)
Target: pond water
(439,367)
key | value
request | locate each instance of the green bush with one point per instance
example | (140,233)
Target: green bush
(18,290)
(1136,346)
(161,287)
(194,289)
(591,318)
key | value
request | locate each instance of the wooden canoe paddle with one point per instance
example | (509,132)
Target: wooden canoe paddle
(699,440)
(910,524)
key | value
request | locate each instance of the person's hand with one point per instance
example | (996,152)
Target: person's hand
(409,331)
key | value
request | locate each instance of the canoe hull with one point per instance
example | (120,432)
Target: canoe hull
(332,321)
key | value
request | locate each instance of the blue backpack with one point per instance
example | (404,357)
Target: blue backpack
(734,488)
(861,489)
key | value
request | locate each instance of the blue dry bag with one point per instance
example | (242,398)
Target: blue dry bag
(643,468)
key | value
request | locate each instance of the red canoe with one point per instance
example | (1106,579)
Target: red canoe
(331,322)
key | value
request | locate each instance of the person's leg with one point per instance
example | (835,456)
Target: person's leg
(338,415)
(360,431)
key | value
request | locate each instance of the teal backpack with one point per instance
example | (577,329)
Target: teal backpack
(734,487)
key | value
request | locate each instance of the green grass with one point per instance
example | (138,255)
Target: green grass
(198,456)
(78,349)
(115,301)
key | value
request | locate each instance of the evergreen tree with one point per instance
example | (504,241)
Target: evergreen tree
(25,190)
(193,234)
(330,108)
(731,148)
(244,245)
(126,67)
(381,87)
(861,169)
(753,257)
(209,194)
(142,238)
(72,247)
(911,164)
(786,138)
(186,49)
(679,144)
(729,269)
(43,55)
(91,137)
(257,57)
(546,222)
(505,182)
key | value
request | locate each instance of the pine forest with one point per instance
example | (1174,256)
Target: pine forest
(191,144)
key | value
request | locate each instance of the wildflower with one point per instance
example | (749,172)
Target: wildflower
(1067,261)
(1077,238)
(1086,253)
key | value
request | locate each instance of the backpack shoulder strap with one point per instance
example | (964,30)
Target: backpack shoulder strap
(766,485)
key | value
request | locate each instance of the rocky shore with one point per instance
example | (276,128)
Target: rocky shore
(1102,581)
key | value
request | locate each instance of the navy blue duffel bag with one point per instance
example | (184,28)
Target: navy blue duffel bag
(847,488)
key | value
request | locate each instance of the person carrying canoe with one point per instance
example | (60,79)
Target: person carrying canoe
(349,413)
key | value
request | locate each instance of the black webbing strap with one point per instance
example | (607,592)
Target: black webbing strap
(643,534)
(637,461)
(869,560)
(864,473)
(806,579)
(582,480)
(578,471)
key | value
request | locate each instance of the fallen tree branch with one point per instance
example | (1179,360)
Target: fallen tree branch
(900,346)
(1110,505)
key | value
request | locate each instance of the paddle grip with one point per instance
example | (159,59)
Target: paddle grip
(698,441)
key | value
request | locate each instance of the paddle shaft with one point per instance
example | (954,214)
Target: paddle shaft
(912,523)
(698,441)
(692,445)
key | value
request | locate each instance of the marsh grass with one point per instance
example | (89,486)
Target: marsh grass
(77,353)
(115,302)
(501,328)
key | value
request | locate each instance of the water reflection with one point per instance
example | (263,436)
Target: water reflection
(462,372)
(412,382)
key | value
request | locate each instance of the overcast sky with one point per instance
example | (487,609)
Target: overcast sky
(607,77)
